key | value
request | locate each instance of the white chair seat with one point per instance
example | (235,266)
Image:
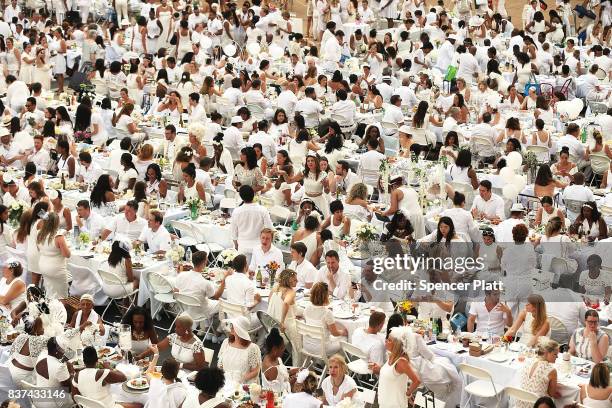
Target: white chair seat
(214,247)
(359,367)
(164,297)
(483,389)
(187,241)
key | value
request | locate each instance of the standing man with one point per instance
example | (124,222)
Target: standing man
(247,222)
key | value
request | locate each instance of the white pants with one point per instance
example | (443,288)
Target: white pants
(121,7)
(84,12)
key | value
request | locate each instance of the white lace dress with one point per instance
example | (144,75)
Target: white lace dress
(534,378)
(237,362)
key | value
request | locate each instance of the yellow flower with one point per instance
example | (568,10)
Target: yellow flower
(405,306)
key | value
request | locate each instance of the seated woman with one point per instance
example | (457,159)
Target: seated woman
(406,199)
(25,350)
(120,264)
(184,346)
(191,188)
(143,332)
(167,391)
(303,395)
(239,357)
(338,385)
(399,229)
(590,223)
(540,376)
(356,203)
(533,320)
(12,287)
(564,169)
(555,244)
(337,222)
(87,320)
(547,211)
(281,306)
(594,283)
(209,381)
(545,184)
(94,383)
(597,393)
(127,175)
(274,375)
(318,314)
(247,172)
(156,185)
(590,342)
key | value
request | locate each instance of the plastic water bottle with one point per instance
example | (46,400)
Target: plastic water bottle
(75,235)
(188,255)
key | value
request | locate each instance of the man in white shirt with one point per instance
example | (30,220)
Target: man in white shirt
(572,142)
(345,178)
(370,341)
(297,66)
(128,224)
(468,64)
(268,146)
(14,193)
(254,96)
(31,117)
(265,253)
(10,155)
(16,94)
(577,191)
(309,107)
(451,122)
(287,98)
(88,221)
(446,53)
(332,51)
(406,93)
(247,222)
(462,219)
(306,272)
(486,204)
(197,114)
(385,88)
(11,10)
(124,147)
(486,131)
(240,290)
(503,233)
(234,94)
(603,61)
(40,156)
(88,171)
(370,161)
(393,114)
(344,108)
(195,18)
(155,235)
(491,316)
(339,282)
(232,138)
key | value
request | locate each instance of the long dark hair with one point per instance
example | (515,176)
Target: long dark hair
(117,254)
(82,119)
(3,208)
(63,114)
(127,159)
(419,117)
(38,209)
(464,159)
(335,141)
(451,233)
(544,176)
(392,226)
(251,157)
(98,193)
(156,169)
(128,318)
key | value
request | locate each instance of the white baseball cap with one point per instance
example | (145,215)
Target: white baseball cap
(236,119)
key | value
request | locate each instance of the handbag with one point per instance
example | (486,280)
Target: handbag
(533,82)
(174,39)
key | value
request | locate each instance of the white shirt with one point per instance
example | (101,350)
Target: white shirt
(247,222)
(393,114)
(346,109)
(94,224)
(233,141)
(298,69)
(90,174)
(22,195)
(306,272)
(234,96)
(259,258)
(332,50)
(239,289)
(493,321)
(575,147)
(445,56)
(308,107)
(463,221)
(341,279)
(408,96)
(468,66)
(371,160)
(193,283)
(267,143)
(287,100)
(255,97)
(485,130)
(371,344)
(197,114)
(121,226)
(493,207)
(156,240)
(503,232)
(10,152)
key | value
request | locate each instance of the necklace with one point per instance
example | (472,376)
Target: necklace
(140,336)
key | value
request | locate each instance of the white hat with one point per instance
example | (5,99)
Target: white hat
(8,178)
(52,194)
(4,131)
(452,37)
(87,296)
(241,327)
(236,119)
(517,207)
(405,129)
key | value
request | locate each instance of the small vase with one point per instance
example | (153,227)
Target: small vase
(194,212)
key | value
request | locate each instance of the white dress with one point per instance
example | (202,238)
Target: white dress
(275,309)
(392,387)
(183,352)
(89,387)
(59,58)
(348,384)
(237,362)
(53,269)
(281,383)
(537,381)
(6,239)
(32,253)
(313,189)
(409,206)
(4,288)
(26,71)
(125,177)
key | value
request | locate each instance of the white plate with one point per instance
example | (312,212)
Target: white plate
(517,347)
(137,387)
(342,314)
(498,357)
(111,353)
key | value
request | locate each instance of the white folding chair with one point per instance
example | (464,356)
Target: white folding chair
(356,358)
(186,232)
(600,163)
(483,387)
(483,147)
(316,333)
(229,310)
(422,400)
(191,304)
(366,396)
(208,355)
(540,152)
(127,292)
(390,128)
(162,292)
(391,145)
(83,280)
(519,394)
(85,402)
(558,331)
(39,399)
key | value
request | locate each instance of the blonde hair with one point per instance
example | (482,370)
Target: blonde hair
(185,320)
(49,229)
(546,346)
(268,231)
(358,190)
(146,152)
(540,317)
(340,360)
(397,350)
(319,294)
(197,130)
(284,278)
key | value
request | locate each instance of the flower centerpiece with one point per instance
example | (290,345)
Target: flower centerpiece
(176,253)
(271,268)
(227,256)
(163,162)
(384,175)
(15,211)
(346,403)
(366,233)
(84,238)
(86,91)
(531,162)
(194,204)
(83,136)
(404,308)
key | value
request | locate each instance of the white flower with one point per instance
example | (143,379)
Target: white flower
(228,255)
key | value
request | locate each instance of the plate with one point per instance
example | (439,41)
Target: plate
(498,357)
(135,385)
(105,352)
(342,314)
(517,347)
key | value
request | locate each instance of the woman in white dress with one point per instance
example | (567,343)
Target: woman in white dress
(555,244)
(58,207)
(316,183)
(356,203)
(94,383)
(155,30)
(164,14)
(190,188)
(209,381)
(338,385)
(239,357)
(318,314)
(184,346)
(594,282)
(42,69)
(548,211)
(533,321)
(590,342)
(135,83)
(309,236)
(120,264)
(393,388)
(298,147)
(143,332)
(127,175)
(540,376)
(406,200)
(13,58)
(54,250)
(28,58)
(6,233)
(597,393)
(524,69)
(12,287)
(275,375)
(282,307)
(25,351)
(337,223)
(32,254)
(57,45)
